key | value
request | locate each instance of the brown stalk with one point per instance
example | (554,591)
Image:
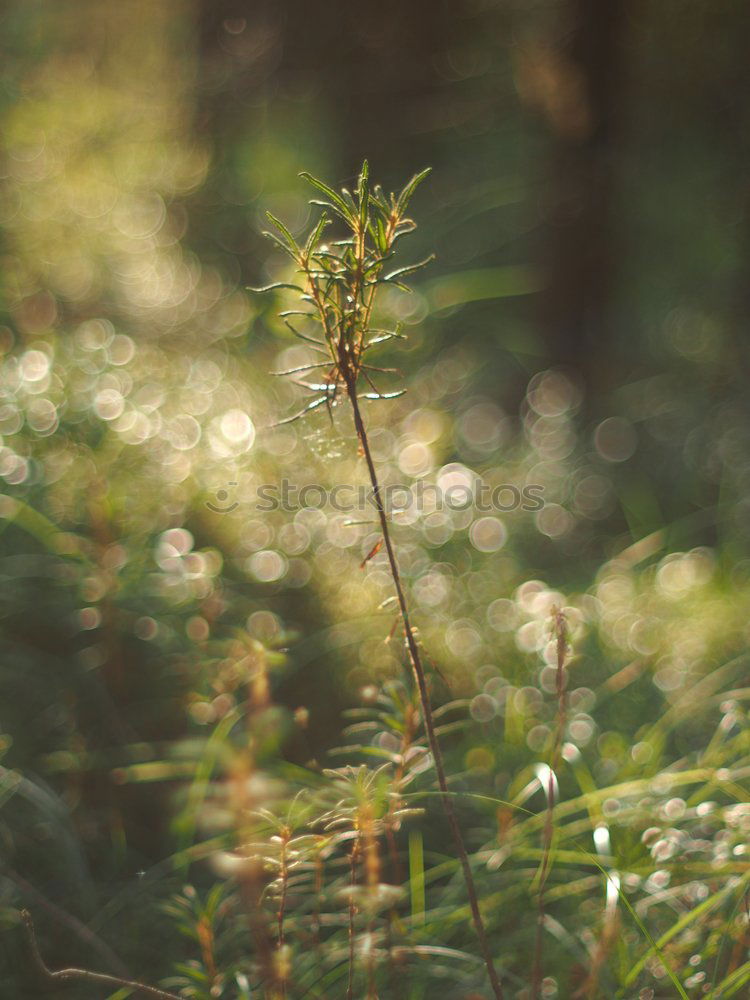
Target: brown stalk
(603,948)
(353,858)
(424,697)
(67,920)
(397,877)
(251,890)
(371,865)
(281,940)
(63,976)
(207,942)
(560,630)
(319,878)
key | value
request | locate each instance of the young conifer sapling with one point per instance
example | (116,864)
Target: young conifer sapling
(338,285)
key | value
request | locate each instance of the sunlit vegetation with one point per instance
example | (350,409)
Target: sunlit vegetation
(217,777)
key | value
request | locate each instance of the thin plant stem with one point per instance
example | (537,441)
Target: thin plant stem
(207,943)
(319,877)
(424,697)
(62,976)
(603,948)
(251,888)
(371,864)
(281,940)
(352,913)
(559,627)
(396,981)
(74,925)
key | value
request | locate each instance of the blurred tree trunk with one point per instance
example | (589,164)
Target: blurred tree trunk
(385,81)
(576,81)
(373,66)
